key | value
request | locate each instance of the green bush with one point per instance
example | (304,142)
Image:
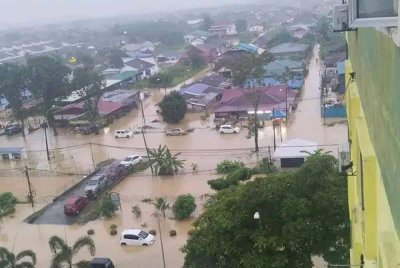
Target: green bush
(228,166)
(90,232)
(113,226)
(184,206)
(7,203)
(222,183)
(241,174)
(108,208)
(263,167)
(137,211)
(113,232)
(173,107)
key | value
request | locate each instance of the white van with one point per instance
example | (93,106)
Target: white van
(123,133)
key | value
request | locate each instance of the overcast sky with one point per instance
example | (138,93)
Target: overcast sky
(17,12)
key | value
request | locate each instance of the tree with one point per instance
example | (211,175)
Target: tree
(161,205)
(302,214)
(108,208)
(207,23)
(49,81)
(7,204)
(161,80)
(89,84)
(195,58)
(13,82)
(10,260)
(63,254)
(164,162)
(241,25)
(115,58)
(173,107)
(184,206)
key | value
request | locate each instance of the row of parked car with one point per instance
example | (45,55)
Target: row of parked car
(99,182)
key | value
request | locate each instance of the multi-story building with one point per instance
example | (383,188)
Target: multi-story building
(373,110)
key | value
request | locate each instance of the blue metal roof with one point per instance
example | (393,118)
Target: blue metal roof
(340,66)
(295,83)
(11,150)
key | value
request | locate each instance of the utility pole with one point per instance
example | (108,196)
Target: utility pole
(91,153)
(147,151)
(287,110)
(159,230)
(44,126)
(323,103)
(273,126)
(141,105)
(29,186)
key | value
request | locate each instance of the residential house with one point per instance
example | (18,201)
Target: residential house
(223,29)
(330,63)
(294,51)
(168,57)
(238,102)
(216,80)
(299,30)
(256,28)
(279,68)
(208,54)
(197,37)
(146,67)
(250,48)
(200,96)
(142,47)
(293,153)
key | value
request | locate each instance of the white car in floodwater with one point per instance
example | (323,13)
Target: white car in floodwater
(136,237)
(123,133)
(228,129)
(131,160)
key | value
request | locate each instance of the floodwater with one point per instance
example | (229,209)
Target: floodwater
(78,155)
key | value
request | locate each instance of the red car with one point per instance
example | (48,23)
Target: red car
(75,204)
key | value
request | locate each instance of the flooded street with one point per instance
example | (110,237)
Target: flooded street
(77,155)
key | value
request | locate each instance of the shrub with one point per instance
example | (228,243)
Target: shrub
(222,183)
(153,232)
(90,232)
(137,211)
(184,206)
(113,232)
(190,232)
(147,200)
(113,226)
(228,166)
(172,233)
(241,174)
(108,208)
(263,167)
(7,203)
(173,107)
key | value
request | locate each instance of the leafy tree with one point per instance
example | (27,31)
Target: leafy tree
(115,59)
(85,59)
(161,80)
(108,208)
(241,25)
(89,84)
(63,254)
(228,166)
(207,23)
(48,80)
(10,260)
(184,206)
(13,82)
(164,162)
(173,107)
(7,204)
(161,205)
(195,58)
(302,214)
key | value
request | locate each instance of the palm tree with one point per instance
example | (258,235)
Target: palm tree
(64,253)
(165,163)
(161,205)
(10,260)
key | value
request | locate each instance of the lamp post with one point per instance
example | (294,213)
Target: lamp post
(45,125)
(158,83)
(257,217)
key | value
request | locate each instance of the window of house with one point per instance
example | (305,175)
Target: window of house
(373,8)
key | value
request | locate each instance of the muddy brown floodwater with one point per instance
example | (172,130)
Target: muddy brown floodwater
(205,147)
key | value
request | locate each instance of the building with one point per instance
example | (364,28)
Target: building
(146,67)
(223,29)
(294,51)
(208,54)
(197,37)
(293,153)
(256,28)
(372,100)
(279,68)
(168,57)
(200,96)
(299,30)
(250,48)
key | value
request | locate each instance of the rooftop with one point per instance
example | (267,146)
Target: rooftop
(288,48)
(295,148)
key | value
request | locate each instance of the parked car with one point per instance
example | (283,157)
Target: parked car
(228,129)
(75,204)
(123,133)
(12,130)
(131,160)
(95,185)
(133,237)
(176,132)
(115,172)
(101,263)
(86,130)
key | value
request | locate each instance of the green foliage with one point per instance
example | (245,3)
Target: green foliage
(184,206)
(327,38)
(240,174)
(113,232)
(161,79)
(13,81)
(108,208)
(195,58)
(228,166)
(283,36)
(263,167)
(241,25)
(173,107)
(164,162)
(161,205)
(137,211)
(113,226)
(24,259)
(302,214)
(63,253)
(222,183)
(7,204)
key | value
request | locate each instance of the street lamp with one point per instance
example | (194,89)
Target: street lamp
(257,217)
(158,83)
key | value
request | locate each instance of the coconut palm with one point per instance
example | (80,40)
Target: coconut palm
(161,205)
(63,253)
(165,163)
(10,260)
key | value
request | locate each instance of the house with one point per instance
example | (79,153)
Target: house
(197,37)
(341,70)
(293,51)
(200,96)
(219,43)
(293,153)
(278,68)
(141,47)
(256,28)
(223,28)
(264,82)
(237,102)
(299,30)
(146,67)
(168,57)
(250,48)
(216,80)
(208,54)
(330,63)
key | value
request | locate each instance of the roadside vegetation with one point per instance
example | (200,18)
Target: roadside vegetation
(7,204)
(184,206)
(173,107)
